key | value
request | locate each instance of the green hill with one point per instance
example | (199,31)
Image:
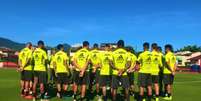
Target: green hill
(10,44)
(4,42)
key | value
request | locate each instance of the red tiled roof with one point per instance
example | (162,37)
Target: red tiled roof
(195,58)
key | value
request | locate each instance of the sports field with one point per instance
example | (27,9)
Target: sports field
(187,87)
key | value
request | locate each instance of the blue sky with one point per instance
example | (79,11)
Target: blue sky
(177,22)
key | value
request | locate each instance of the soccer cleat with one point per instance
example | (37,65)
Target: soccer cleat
(74,98)
(157,99)
(99,98)
(34,99)
(143,99)
(168,98)
(108,88)
(59,95)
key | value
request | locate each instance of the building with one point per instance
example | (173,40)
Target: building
(8,58)
(196,60)
(184,58)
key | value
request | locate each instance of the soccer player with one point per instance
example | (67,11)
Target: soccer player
(94,74)
(52,71)
(144,75)
(40,69)
(25,57)
(81,73)
(156,63)
(121,62)
(169,71)
(131,69)
(105,71)
(61,66)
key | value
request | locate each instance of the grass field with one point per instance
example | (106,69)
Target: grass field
(187,87)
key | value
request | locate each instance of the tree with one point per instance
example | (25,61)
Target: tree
(191,48)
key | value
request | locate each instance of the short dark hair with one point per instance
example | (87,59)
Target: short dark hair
(120,43)
(29,43)
(146,45)
(159,48)
(129,49)
(85,43)
(40,42)
(154,45)
(59,46)
(95,45)
(169,46)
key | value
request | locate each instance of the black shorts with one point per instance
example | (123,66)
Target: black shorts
(94,77)
(155,78)
(131,78)
(52,74)
(144,79)
(63,78)
(120,80)
(81,80)
(168,79)
(104,80)
(41,75)
(27,75)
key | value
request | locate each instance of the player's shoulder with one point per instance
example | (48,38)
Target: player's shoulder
(120,50)
(155,53)
(146,53)
(94,51)
(24,49)
(83,50)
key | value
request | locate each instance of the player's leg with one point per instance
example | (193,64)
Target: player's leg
(59,95)
(102,83)
(168,81)
(155,79)
(149,86)
(131,80)
(142,84)
(91,82)
(35,83)
(27,79)
(85,81)
(83,91)
(126,85)
(161,83)
(97,77)
(42,81)
(65,82)
(22,83)
(76,80)
(115,85)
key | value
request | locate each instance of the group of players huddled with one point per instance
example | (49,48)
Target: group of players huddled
(107,70)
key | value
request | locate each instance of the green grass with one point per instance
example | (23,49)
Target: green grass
(187,87)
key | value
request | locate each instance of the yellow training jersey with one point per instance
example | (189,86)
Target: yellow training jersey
(105,58)
(170,60)
(81,57)
(61,61)
(120,60)
(156,63)
(40,57)
(25,57)
(51,61)
(145,62)
(133,59)
(94,57)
